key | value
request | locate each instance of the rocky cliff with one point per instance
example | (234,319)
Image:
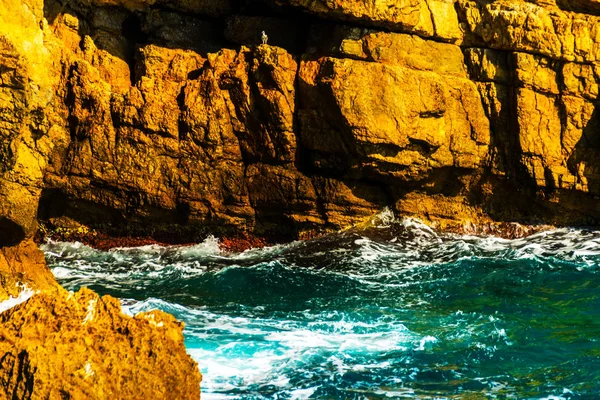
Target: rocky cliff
(169,119)
(80,346)
(169,115)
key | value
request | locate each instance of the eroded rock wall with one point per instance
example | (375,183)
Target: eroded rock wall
(152,113)
(56,344)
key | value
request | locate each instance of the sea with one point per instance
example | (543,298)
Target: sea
(389,310)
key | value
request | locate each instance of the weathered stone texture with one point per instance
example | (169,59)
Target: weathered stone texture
(143,117)
(395,122)
(23,267)
(79,345)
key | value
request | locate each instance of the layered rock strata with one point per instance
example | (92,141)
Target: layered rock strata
(151,113)
(157,117)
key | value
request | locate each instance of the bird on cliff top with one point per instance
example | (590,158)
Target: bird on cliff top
(264,37)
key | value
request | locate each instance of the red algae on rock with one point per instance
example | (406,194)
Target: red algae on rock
(241,243)
(102,241)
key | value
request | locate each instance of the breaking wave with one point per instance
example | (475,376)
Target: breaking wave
(393,310)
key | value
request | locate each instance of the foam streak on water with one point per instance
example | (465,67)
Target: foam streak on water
(392,311)
(23,296)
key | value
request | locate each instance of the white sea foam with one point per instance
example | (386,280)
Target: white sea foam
(426,343)
(384,219)
(428,248)
(23,296)
(90,312)
(61,272)
(398,393)
(208,247)
(263,351)
(363,258)
(300,394)
(242,347)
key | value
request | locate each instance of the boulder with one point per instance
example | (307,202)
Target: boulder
(80,345)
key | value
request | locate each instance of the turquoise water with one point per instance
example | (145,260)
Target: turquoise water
(393,311)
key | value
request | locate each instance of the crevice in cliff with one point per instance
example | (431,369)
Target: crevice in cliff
(514,150)
(317,115)
(562,111)
(131,28)
(7,156)
(183,130)
(11,233)
(551,184)
(321,205)
(583,160)
(581,7)
(295,123)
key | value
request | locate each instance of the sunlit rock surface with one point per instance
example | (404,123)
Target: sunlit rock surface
(81,346)
(151,113)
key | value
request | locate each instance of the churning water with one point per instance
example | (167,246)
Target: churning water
(393,311)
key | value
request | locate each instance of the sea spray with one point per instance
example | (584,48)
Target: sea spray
(393,310)
(24,294)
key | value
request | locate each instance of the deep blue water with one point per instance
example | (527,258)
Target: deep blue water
(392,311)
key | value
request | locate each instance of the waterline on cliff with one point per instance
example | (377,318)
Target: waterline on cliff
(394,311)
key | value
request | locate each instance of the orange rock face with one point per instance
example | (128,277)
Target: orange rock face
(133,119)
(58,344)
(81,346)
(23,266)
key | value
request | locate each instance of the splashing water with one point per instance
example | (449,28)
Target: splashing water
(22,297)
(394,311)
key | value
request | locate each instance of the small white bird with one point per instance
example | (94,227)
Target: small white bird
(264,37)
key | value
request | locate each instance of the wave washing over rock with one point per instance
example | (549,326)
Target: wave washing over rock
(392,310)
(24,294)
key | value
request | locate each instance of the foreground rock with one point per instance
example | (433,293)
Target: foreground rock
(23,267)
(81,346)
(55,344)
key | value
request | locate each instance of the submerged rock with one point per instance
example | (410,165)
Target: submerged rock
(81,346)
